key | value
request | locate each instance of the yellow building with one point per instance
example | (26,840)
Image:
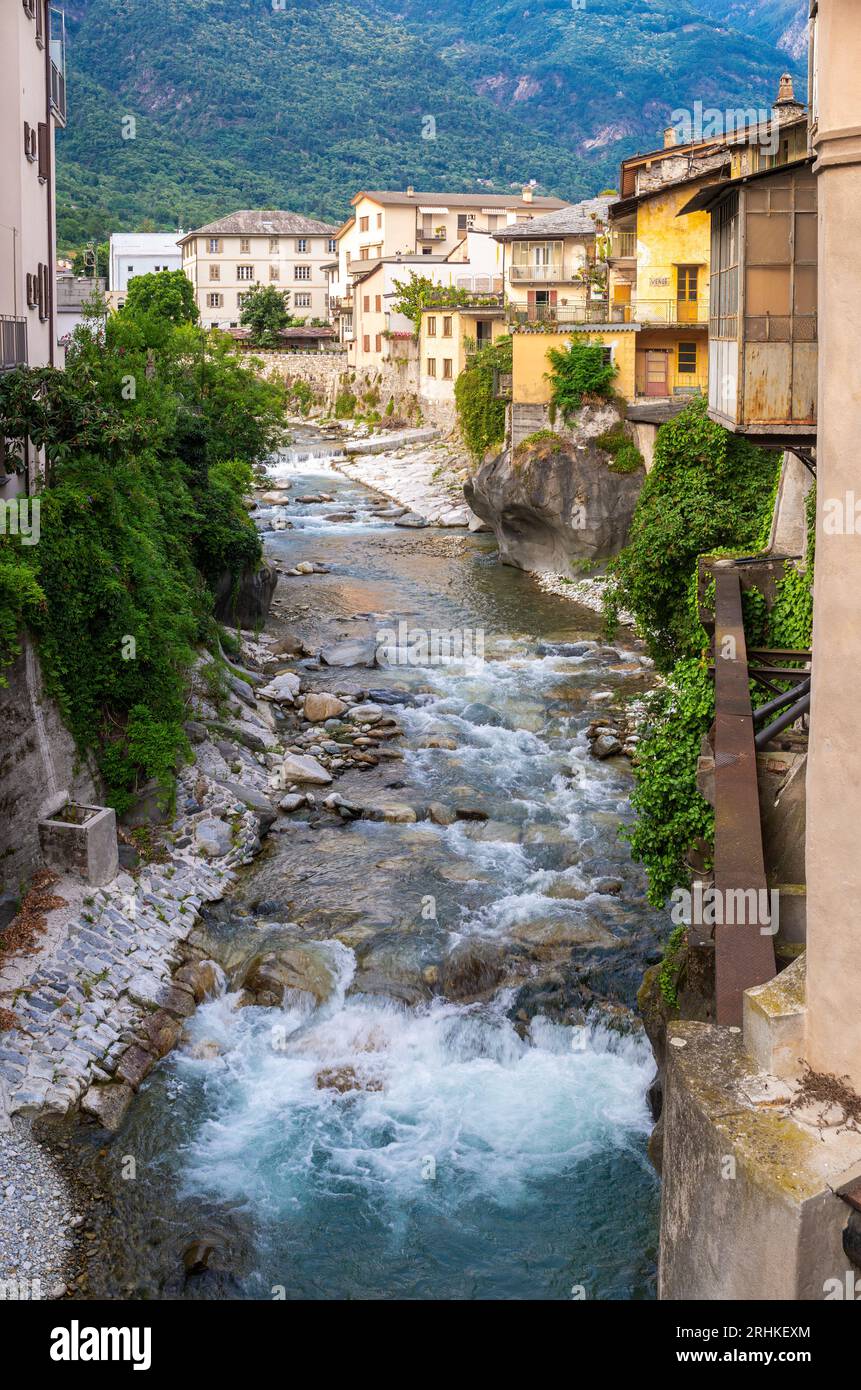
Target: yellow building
(446,339)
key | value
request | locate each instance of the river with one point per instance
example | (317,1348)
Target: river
(490,1142)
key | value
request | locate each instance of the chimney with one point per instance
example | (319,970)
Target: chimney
(528,193)
(785,92)
(411,192)
(669,137)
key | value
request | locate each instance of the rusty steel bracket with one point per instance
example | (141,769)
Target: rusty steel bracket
(744,952)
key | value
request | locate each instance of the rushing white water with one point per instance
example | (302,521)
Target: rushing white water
(446,1103)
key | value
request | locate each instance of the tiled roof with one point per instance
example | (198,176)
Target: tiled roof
(250,222)
(481,198)
(577,220)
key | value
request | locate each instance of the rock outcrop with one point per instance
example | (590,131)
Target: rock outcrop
(555,501)
(245,603)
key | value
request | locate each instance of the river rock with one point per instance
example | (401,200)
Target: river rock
(293,967)
(160,1033)
(320,705)
(345,1079)
(412,520)
(298,767)
(289,644)
(477,713)
(282,689)
(395,812)
(441,814)
(135,1065)
(353,652)
(365,714)
(213,838)
(292,801)
(253,799)
(471,969)
(606,746)
(108,1103)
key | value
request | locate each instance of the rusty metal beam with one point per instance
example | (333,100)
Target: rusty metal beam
(744,953)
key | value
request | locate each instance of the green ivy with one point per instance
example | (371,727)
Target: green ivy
(481,414)
(623,451)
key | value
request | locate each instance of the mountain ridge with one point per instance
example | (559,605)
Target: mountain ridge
(235,103)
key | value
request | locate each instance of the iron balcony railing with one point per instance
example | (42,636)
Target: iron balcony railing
(539,274)
(672,311)
(431,233)
(623,245)
(562,314)
(13,342)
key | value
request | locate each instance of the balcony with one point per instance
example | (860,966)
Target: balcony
(598,312)
(623,246)
(13,342)
(539,274)
(431,234)
(670,311)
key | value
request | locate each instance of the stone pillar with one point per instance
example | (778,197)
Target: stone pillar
(833,1042)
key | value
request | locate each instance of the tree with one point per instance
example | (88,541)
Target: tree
(92,260)
(167,295)
(265,312)
(419,292)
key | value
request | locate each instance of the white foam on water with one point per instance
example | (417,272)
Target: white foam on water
(454,1104)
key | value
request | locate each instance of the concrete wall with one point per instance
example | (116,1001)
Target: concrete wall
(38,765)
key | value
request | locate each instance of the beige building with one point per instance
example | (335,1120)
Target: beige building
(553,264)
(227,258)
(32,104)
(410,224)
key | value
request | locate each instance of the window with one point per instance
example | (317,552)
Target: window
(302,245)
(131,270)
(241,298)
(431,328)
(465,221)
(214,246)
(274,246)
(245,272)
(366,303)
(378,343)
(686,292)
(301,272)
(378,304)
(214,301)
(245,246)
(31,147)
(274,272)
(302,301)
(215,272)
(364,224)
(447,368)
(366,342)
(332,245)
(446,327)
(379,219)
(687,363)
(44,144)
(431,364)
(40,23)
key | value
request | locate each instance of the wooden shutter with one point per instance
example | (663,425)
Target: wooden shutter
(44,147)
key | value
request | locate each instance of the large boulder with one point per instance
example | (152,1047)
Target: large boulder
(553,505)
(354,651)
(267,976)
(302,768)
(245,602)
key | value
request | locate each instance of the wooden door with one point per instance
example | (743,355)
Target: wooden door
(657,372)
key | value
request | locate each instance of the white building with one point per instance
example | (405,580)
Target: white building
(32,104)
(141,253)
(226,259)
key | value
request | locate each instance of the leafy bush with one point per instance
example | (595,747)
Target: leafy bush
(345,405)
(142,512)
(626,456)
(576,372)
(707,489)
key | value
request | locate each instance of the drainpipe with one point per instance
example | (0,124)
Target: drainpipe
(49,184)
